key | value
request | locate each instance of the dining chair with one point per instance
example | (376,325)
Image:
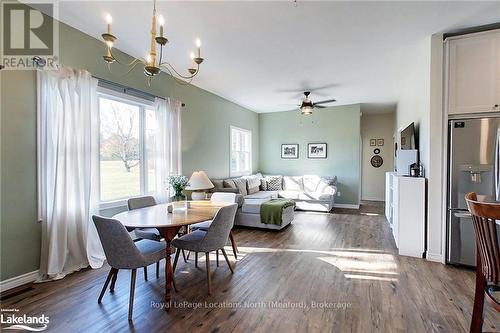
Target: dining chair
(123,253)
(221,197)
(213,239)
(485,216)
(146,233)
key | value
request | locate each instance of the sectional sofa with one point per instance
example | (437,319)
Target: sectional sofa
(309,192)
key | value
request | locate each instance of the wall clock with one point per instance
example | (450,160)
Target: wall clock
(376,161)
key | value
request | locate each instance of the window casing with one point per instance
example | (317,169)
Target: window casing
(241,152)
(126,154)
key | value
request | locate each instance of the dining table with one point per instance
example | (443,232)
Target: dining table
(183,213)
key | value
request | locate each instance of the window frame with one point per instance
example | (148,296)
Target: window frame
(240,172)
(142,104)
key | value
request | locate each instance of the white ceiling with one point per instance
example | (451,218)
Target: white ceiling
(262,55)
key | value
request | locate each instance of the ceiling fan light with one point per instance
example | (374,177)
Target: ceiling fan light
(306,110)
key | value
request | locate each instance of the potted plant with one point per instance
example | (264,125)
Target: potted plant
(178,183)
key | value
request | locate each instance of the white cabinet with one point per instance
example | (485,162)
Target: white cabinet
(474,73)
(405,212)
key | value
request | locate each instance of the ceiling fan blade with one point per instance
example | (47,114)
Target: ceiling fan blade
(319,106)
(325,101)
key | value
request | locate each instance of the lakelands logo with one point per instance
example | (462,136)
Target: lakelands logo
(11,320)
(29,38)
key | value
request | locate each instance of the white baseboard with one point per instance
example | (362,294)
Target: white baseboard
(17,281)
(435,257)
(348,206)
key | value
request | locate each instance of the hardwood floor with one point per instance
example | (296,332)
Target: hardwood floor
(344,263)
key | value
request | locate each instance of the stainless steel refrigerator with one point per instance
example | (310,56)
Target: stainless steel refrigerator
(473,163)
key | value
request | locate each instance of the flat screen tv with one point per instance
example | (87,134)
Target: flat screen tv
(408,138)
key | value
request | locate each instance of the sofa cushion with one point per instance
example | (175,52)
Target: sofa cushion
(262,195)
(229,183)
(311,182)
(293,183)
(274,183)
(253,190)
(289,194)
(241,184)
(252,206)
(317,196)
(326,182)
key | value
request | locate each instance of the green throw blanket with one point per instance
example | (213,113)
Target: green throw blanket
(271,211)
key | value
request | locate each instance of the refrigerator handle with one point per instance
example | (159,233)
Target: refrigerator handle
(496,168)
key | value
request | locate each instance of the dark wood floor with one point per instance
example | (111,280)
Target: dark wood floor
(345,261)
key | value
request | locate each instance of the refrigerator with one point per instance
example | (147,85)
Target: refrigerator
(473,166)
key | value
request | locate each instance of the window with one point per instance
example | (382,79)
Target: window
(241,152)
(127,126)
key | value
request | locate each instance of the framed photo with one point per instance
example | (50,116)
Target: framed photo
(380,142)
(373,142)
(290,151)
(316,150)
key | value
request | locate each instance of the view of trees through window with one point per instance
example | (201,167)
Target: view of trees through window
(126,148)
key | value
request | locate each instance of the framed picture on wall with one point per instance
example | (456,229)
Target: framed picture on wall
(373,142)
(380,142)
(316,150)
(289,151)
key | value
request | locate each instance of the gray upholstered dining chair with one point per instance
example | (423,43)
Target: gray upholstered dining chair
(146,233)
(123,253)
(222,197)
(215,238)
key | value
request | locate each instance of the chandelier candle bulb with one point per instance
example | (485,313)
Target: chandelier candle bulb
(162,23)
(198,46)
(109,20)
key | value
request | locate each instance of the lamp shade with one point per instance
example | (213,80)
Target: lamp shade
(199,181)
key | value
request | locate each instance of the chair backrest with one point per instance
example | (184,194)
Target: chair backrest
(224,197)
(141,202)
(218,232)
(118,246)
(484,216)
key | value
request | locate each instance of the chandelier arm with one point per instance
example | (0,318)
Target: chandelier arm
(133,62)
(179,81)
(133,66)
(165,64)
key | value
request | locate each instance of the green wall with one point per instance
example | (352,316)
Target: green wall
(205,133)
(338,126)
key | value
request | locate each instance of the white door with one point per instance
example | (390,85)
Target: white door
(474,76)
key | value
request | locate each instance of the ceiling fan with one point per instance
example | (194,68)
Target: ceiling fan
(308,105)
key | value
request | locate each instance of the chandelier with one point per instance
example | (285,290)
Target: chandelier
(153,63)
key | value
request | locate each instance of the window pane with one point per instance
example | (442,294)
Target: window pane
(150,144)
(241,151)
(120,156)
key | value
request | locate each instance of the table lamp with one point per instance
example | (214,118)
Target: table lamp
(198,183)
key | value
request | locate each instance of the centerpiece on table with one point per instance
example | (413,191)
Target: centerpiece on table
(178,183)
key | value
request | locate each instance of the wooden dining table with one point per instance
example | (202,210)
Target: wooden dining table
(168,224)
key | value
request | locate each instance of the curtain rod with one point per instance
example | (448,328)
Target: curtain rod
(126,89)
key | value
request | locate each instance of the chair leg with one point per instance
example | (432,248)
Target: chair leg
(209,279)
(187,257)
(113,281)
(145,273)
(227,260)
(233,244)
(217,257)
(175,260)
(184,256)
(476,324)
(132,291)
(196,259)
(158,269)
(110,275)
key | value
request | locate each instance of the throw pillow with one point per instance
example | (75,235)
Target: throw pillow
(218,183)
(241,185)
(274,183)
(252,181)
(253,190)
(229,183)
(263,184)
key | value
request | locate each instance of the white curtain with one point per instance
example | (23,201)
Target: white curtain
(68,162)
(167,137)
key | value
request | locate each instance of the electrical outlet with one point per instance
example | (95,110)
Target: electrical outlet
(339,194)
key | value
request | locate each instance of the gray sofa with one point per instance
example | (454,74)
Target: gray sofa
(310,192)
